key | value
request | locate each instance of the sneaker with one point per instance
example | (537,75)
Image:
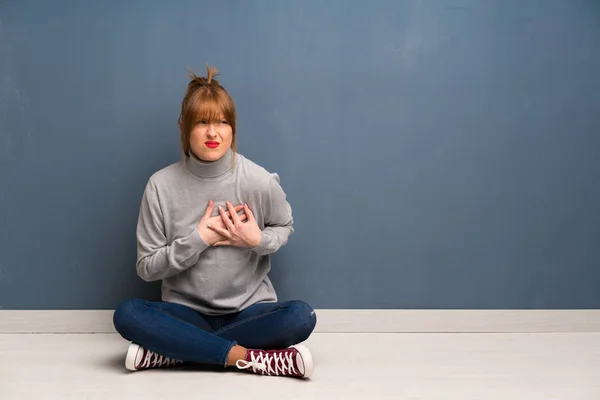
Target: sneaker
(141,358)
(294,361)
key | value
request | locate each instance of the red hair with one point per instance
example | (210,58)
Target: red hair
(205,100)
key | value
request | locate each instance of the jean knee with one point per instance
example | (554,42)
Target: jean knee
(124,315)
(305,319)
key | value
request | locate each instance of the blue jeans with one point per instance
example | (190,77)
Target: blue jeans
(179,332)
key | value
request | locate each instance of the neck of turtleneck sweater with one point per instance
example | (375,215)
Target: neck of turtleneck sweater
(209,169)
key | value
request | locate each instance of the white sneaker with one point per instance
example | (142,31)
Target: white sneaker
(141,358)
(294,361)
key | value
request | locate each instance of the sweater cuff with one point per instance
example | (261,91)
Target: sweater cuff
(262,247)
(195,241)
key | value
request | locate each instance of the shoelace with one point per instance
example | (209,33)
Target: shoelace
(153,360)
(271,364)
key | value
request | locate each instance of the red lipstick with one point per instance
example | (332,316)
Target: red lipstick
(212,144)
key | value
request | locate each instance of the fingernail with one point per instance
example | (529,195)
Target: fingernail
(220,208)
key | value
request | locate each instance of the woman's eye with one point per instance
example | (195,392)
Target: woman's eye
(202,122)
(224,122)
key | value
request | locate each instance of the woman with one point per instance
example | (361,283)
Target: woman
(206,228)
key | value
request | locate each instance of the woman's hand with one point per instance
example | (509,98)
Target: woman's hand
(237,233)
(209,236)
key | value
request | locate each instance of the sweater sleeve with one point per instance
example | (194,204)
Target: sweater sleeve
(277,217)
(157,259)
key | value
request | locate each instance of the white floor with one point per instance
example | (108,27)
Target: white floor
(348,366)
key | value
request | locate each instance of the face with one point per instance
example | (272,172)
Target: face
(209,141)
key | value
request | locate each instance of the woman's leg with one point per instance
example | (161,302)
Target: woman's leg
(270,325)
(271,332)
(171,330)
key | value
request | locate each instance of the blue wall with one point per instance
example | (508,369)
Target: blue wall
(437,154)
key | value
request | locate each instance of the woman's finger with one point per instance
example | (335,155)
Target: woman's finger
(237,210)
(249,213)
(220,231)
(209,209)
(226,219)
(234,216)
(242,217)
(223,243)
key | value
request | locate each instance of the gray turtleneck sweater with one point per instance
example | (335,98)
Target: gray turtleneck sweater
(212,280)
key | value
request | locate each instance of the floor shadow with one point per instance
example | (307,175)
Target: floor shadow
(113,362)
(208,368)
(116,364)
